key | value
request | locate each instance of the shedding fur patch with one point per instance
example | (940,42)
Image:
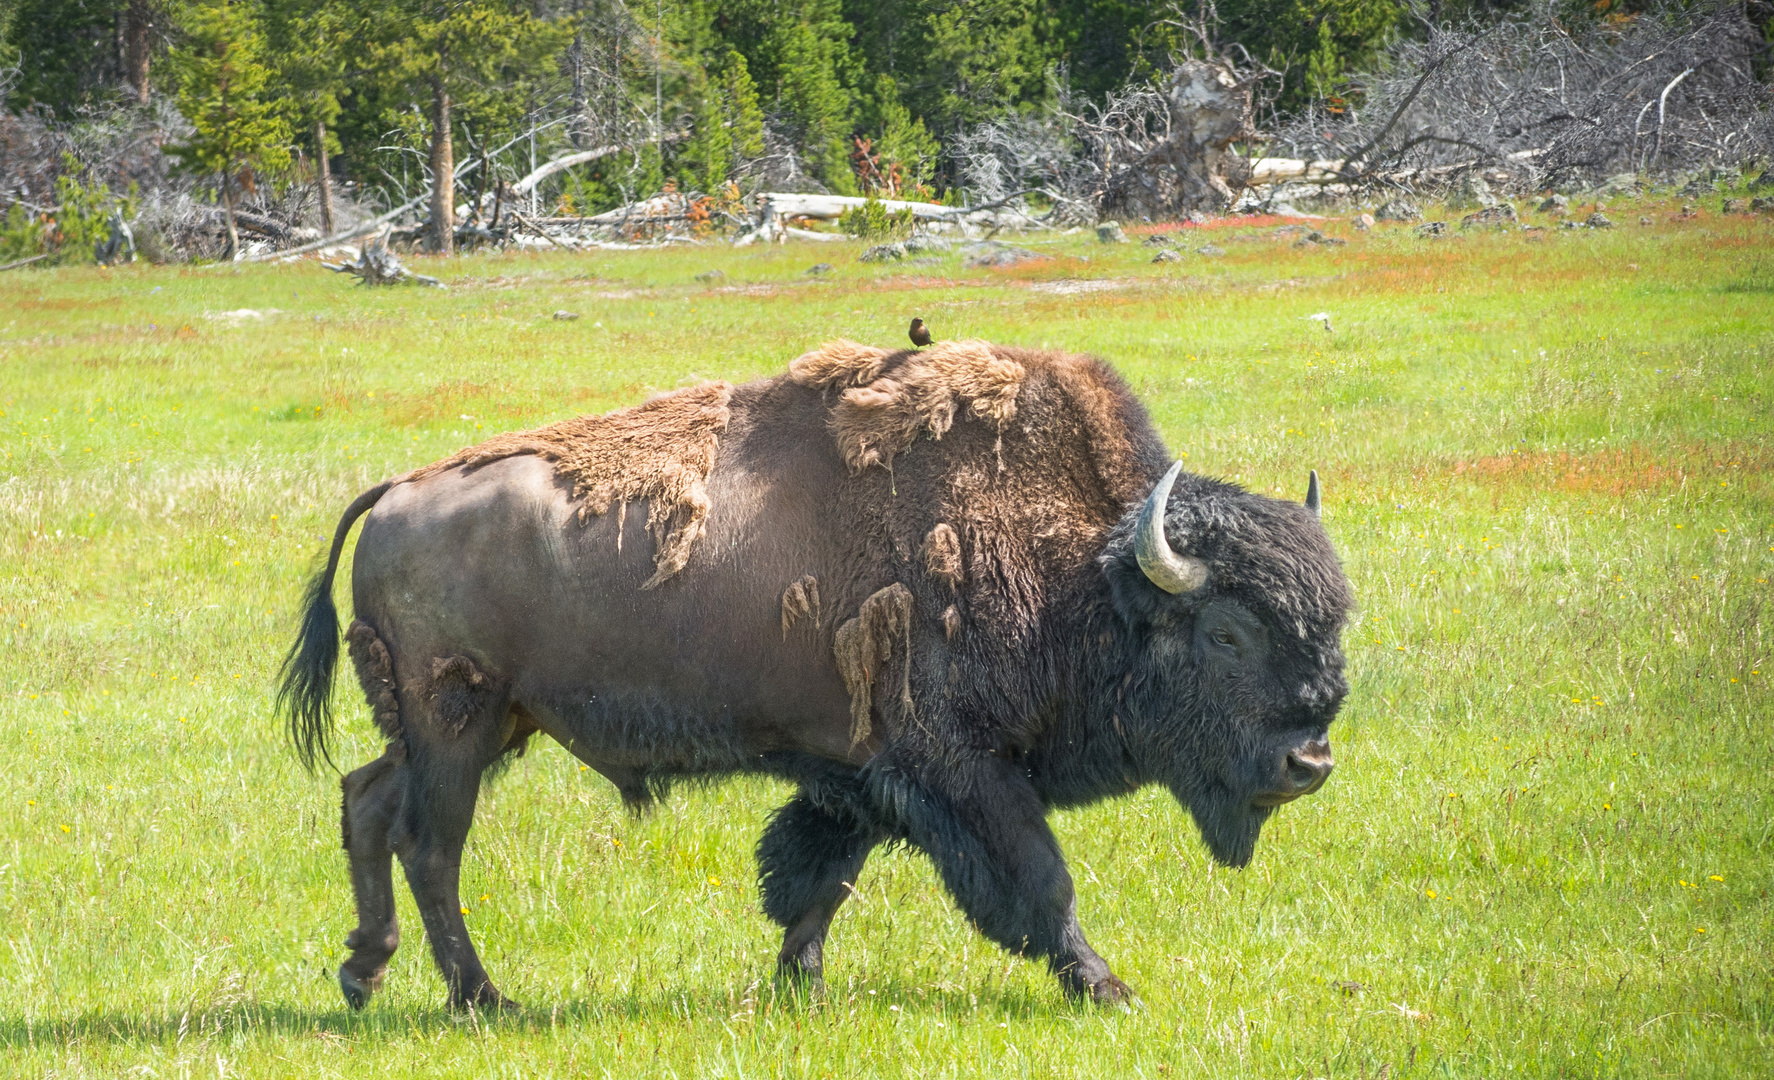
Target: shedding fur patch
(874,422)
(375,673)
(864,646)
(838,363)
(660,450)
(951,622)
(800,600)
(942,555)
(456,688)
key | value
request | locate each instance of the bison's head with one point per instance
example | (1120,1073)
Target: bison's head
(1234,604)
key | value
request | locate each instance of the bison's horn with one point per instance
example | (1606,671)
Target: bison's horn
(1312,494)
(1169,571)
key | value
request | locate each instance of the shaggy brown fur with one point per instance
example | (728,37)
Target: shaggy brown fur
(798,600)
(1041,453)
(375,673)
(660,450)
(456,686)
(872,423)
(942,554)
(951,622)
(838,363)
(864,645)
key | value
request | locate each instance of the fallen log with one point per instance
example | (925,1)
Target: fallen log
(774,207)
(361,229)
(1265,171)
(26,262)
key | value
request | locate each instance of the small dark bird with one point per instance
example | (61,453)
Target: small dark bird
(920,333)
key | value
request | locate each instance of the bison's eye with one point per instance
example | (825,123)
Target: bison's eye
(1223,637)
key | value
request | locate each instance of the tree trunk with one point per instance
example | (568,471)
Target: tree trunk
(233,251)
(443,172)
(138,25)
(323,179)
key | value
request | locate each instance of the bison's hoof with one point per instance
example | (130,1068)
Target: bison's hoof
(800,983)
(1112,991)
(357,991)
(486,999)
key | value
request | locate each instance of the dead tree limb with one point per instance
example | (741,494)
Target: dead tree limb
(376,265)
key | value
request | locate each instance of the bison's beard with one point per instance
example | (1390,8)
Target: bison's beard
(1229,824)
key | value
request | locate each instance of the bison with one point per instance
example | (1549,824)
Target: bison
(942,592)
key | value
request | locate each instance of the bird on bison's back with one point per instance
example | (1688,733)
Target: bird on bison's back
(920,333)
(943,592)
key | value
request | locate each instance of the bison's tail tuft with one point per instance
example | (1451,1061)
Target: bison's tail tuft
(305,683)
(305,686)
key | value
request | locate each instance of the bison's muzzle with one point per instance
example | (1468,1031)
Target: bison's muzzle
(1303,770)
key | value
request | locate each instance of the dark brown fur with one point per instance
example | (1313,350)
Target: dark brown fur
(375,673)
(455,692)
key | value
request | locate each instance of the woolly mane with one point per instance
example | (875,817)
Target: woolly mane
(660,450)
(888,399)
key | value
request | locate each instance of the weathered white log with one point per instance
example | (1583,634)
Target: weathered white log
(639,212)
(1265,171)
(830,207)
(543,172)
(775,206)
(1275,170)
(821,237)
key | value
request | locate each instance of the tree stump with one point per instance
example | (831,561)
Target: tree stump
(1210,109)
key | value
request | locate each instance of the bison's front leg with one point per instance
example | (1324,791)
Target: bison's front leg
(808,861)
(982,824)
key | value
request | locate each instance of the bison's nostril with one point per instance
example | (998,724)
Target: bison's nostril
(1307,769)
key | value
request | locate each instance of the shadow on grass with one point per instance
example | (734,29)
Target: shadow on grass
(1760,279)
(711,1006)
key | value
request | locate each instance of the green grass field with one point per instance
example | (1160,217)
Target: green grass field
(1546,850)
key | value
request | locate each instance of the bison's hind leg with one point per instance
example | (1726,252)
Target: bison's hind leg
(372,797)
(463,725)
(808,861)
(446,723)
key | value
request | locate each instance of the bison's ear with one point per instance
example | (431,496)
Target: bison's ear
(1139,602)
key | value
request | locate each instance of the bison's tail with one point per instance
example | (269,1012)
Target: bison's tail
(305,683)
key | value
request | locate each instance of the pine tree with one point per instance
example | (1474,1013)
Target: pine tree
(707,158)
(65,51)
(814,102)
(308,39)
(745,120)
(469,60)
(222,77)
(906,150)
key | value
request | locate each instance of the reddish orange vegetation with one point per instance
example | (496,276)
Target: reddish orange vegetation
(1239,221)
(1611,472)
